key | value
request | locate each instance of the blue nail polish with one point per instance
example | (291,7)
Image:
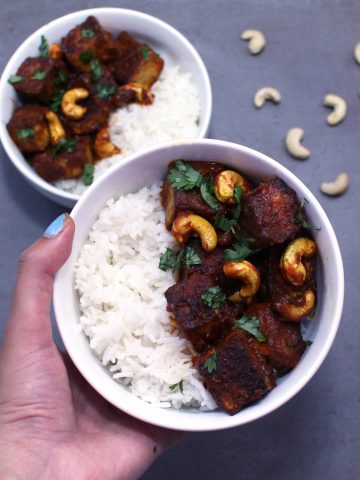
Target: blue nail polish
(56,226)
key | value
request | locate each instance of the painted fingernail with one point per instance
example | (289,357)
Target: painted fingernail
(56,227)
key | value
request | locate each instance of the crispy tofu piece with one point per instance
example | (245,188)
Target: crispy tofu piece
(64,164)
(29,129)
(235,373)
(136,63)
(95,118)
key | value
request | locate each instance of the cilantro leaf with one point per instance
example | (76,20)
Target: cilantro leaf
(86,56)
(103,92)
(224,224)
(145,52)
(213,297)
(207,192)
(237,195)
(301,220)
(96,70)
(15,79)
(241,250)
(179,385)
(184,176)
(44,47)
(39,74)
(251,325)
(87,33)
(168,260)
(56,99)
(190,257)
(60,78)
(25,133)
(210,363)
(67,145)
(88,174)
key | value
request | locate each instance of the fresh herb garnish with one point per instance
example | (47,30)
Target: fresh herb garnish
(25,133)
(15,79)
(44,47)
(145,51)
(104,92)
(240,250)
(87,33)
(67,145)
(60,78)
(55,102)
(308,343)
(251,325)
(179,385)
(210,363)
(170,260)
(86,56)
(96,70)
(301,220)
(190,257)
(213,297)
(39,74)
(88,174)
(224,224)
(237,195)
(186,177)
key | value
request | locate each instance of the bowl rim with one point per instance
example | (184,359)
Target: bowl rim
(16,156)
(226,421)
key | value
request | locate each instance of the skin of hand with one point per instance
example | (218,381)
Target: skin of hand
(53,425)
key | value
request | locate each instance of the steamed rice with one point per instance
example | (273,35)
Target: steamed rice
(174,115)
(123,307)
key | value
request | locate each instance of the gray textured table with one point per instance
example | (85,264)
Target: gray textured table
(308,54)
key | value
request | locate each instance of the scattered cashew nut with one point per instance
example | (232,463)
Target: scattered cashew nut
(339,106)
(297,312)
(56,129)
(337,187)
(357,52)
(224,185)
(256,40)
(142,94)
(294,146)
(54,51)
(266,93)
(103,146)
(291,266)
(187,223)
(69,101)
(247,273)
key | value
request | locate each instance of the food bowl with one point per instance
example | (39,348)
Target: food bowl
(143,169)
(165,39)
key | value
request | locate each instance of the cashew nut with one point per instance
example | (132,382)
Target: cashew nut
(103,146)
(337,187)
(247,273)
(291,266)
(357,52)
(256,40)
(293,144)
(54,51)
(339,106)
(56,129)
(69,103)
(142,94)
(266,93)
(224,185)
(305,305)
(187,223)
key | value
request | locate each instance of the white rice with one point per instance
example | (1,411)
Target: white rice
(123,307)
(174,115)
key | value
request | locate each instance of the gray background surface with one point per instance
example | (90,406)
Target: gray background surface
(308,54)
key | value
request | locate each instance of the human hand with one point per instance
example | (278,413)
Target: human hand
(53,425)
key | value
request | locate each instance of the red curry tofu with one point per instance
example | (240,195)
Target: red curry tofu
(29,129)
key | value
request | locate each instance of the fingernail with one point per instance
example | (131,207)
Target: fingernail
(56,227)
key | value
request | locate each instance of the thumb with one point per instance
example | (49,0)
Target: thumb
(29,323)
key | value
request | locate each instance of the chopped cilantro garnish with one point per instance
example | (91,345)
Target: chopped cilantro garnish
(190,257)
(60,78)
(301,220)
(39,74)
(25,133)
(207,192)
(44,47)
(237,195)
(104,92)
(145,51)
(240,250)
(210,363)
(224,224)
(55,102)
(96,70)
(213,297)
(170,260)
(15,79)
(251,325)
(179,385)
(86,56)
(87,33)
(88,174)
(67,145)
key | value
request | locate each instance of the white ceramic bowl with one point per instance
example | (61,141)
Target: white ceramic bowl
(164,38)
(142,170)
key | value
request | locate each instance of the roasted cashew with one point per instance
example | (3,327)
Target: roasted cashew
(54,51)
(256,40)
(337,187)
(56,129)
(293,144)
(292,269)
(69,106)
(247,273)
(224,185)
(142,94)
(339,106)
(187,223)
(296,313)
(103,146)
(266,93)
(357,52)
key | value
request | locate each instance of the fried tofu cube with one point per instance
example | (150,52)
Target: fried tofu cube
(29,129)
(234,373)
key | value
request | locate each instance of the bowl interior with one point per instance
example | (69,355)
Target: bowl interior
(142,170)
(174,47)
